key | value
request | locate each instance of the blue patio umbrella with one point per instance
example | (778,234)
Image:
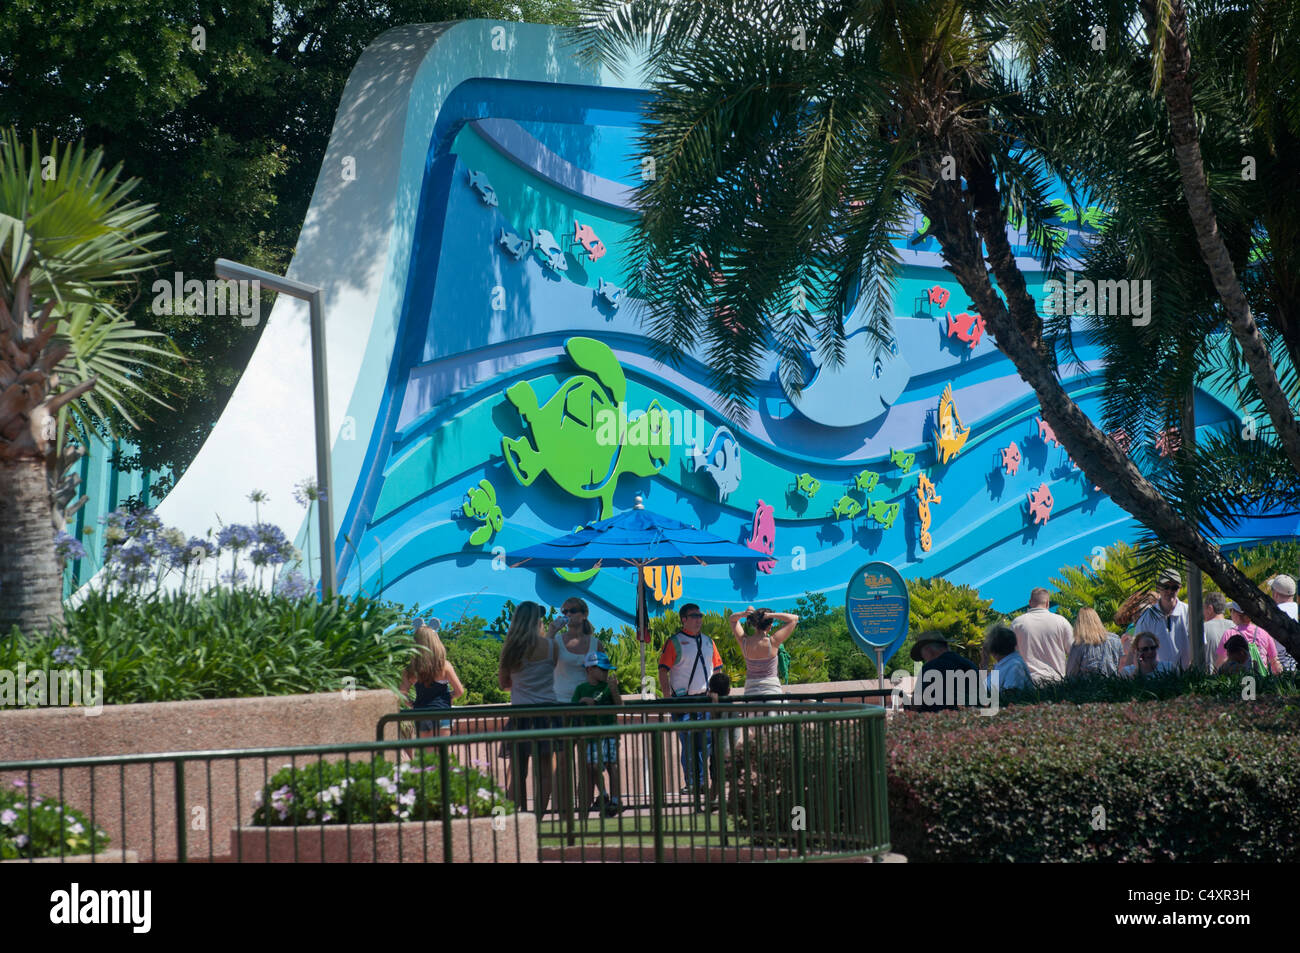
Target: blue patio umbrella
(637,538)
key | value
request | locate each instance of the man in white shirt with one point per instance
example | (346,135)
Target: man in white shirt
(1043,639)
(1167,620)
(1216,624)
(1283,588)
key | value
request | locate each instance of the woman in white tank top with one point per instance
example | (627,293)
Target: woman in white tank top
(574,637)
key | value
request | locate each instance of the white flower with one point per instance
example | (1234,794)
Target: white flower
(484,793)
(76,828)
(408,798)
(21,840)
(311,815)
(8,816)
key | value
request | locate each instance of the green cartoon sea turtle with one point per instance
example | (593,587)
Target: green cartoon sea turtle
(581,437)
(883,513)
(808,484)
(846,506)
(866,480)
(481,505)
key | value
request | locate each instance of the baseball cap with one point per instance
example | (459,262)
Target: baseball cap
(1284,584)
(597,659)
(1171,575)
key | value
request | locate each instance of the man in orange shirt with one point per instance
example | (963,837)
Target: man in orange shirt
(686,664)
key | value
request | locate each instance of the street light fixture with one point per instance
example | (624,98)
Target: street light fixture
(315,298)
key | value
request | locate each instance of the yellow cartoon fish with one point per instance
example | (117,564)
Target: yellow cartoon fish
(952,435)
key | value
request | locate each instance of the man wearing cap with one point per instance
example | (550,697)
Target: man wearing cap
(1283,588)
(1167,621)
(932,649)
(1043,638)
(688,660)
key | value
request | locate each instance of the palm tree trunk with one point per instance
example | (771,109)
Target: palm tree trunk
(1187,150)
(1018,334)
(31,583)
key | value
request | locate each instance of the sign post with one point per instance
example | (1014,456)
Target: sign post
(876,606)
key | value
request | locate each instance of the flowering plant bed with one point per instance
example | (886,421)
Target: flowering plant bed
(493,840)
(32,825)
(364,792)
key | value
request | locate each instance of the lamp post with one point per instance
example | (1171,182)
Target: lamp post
(315,298)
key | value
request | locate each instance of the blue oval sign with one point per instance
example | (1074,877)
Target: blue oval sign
(876,606)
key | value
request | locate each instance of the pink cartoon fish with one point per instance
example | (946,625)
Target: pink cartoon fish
(967,327)
(1046,432)
(1011,458)
(762,535)
(938,295)
(1040,504)
(585,236)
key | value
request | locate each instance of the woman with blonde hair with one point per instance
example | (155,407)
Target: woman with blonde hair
(1095,651)
(434,678)
(574,638)
(527,672)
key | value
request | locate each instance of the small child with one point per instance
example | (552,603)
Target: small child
(1241,657)
(601,688)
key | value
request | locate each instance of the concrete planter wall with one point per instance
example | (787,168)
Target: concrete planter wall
(476,840)
(136,804)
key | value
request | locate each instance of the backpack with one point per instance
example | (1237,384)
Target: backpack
(783,664)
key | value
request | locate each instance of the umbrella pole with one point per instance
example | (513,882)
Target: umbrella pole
(640,601)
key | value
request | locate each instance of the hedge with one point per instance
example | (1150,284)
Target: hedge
(1188,779)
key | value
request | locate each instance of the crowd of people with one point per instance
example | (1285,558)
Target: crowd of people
(1040,646)
(563,662)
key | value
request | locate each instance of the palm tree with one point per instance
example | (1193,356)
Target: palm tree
(791,140)
(69,239)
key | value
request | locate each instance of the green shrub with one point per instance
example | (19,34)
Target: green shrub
(44,828)
(1102,584)
(476,657)
(956,611)
(1189,779)
(222,644)
(1085,689)
(359,792)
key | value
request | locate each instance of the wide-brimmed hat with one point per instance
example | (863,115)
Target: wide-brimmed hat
(1284,585)
(926,639)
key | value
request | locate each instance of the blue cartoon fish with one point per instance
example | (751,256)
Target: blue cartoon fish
(721,461)
(514,246)
(860,390)
(609,292)
(545,242)
(478,181)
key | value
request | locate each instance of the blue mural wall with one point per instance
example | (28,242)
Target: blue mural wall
(521,228)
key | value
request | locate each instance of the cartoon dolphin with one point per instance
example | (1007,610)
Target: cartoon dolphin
(721,461)
(857,392)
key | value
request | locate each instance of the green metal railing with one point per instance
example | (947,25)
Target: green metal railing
(790,780)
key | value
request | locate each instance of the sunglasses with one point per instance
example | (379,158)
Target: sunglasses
(1168,588)
(694,615)
(570,611)
(1146,651)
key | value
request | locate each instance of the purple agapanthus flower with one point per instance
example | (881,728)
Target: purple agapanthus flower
(65,654)
(236,536)
(273,547)
(294,586)
(306,492)
(236,578)
(68,547)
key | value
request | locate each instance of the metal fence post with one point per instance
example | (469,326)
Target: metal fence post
(657,792)
(182,844)
(799,789)
(444,778)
